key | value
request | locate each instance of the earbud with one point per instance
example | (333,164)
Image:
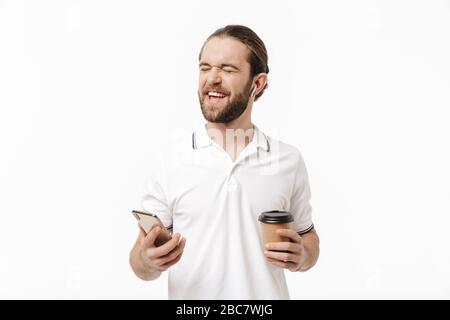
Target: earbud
(253,91)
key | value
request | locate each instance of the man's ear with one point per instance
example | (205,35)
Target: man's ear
(261,80)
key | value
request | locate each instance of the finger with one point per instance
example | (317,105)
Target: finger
(168,246)
(150,256)
(291,234)
(147,256)
(175,252)
(287,265)
(172,255)
(281,256)
(149,240)
(158,268)
(171,263)
(284,246)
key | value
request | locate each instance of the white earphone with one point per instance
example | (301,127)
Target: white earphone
(253,91)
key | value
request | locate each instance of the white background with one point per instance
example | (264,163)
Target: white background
(90,89)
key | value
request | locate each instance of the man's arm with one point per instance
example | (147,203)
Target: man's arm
(311,244)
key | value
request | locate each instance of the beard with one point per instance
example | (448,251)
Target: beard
(230,111)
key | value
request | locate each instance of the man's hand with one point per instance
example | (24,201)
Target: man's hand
(297,256)
(148,261)
(163,257)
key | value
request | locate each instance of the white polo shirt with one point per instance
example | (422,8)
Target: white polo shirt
(214,202)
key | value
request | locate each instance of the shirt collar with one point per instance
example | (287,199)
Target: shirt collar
(200,139)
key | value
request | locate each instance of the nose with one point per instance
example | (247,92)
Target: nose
(214,76)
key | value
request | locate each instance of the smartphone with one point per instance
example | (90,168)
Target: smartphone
(148,221)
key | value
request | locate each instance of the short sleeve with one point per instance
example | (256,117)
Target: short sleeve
(154,198)
(300,199)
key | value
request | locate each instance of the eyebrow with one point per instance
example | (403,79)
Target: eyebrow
(223,65)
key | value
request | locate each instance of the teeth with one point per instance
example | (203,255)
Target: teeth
(215,94)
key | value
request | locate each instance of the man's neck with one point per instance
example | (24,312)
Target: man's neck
(233,125)
(233,137)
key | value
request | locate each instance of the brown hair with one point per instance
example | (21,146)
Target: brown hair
(258,53)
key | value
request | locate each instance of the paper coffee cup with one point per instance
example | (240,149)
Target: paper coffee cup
(271,221)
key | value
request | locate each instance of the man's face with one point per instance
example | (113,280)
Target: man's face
(224,81)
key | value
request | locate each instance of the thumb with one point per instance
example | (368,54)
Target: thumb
(149,240)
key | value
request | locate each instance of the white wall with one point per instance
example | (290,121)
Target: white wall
(89,89)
